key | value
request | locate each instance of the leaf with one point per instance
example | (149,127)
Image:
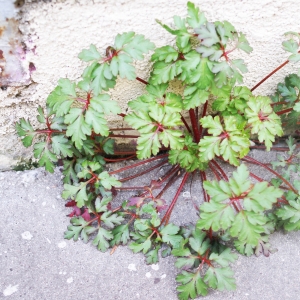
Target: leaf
(167,54)
(220,278)
(290,214)
(45,156)
(136,247)
(152,256)
(208,35)
(194,97)
(89,54)
(61,146)
(290,46)
(247,227)
(26,131)
(169,235)
(62,97)
(195,17)
(224,258)
(121,235)
(215,215)
(111,219)
(263,120)
(74,230)
(102,238)
(191,285)
(108,181)
(78,129)
(96,121)
(77,192)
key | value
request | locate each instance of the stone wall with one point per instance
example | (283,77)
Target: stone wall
(50,34)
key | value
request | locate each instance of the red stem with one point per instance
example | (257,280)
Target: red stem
(186,124)
(141,80)
(119,159)
(144,172)
(284,111)
(219,169)
(124,136)
(167,215)
(194,125)
(203,178)
(139,163)
(272,171)
(203,115)
(269,75)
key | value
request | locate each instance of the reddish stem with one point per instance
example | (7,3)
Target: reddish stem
(194,125)
(144,172)
(203,115)
(219,169)
(124,136)
(186,124)
(269,75)
(166,217)
(139,163)
(119,159)
(141,80)
(284,111)
(203,178)
(272,171)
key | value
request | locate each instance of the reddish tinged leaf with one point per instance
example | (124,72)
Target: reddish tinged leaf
(160,204)
(70,203)
(136,201)
(155,184)
(86,215)
(76,212)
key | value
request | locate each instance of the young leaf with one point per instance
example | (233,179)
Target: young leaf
(102,238)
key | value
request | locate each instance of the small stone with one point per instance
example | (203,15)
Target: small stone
(132,267)
(10,290)
(62,244)
(70,280)
(155,267)
(186,195)
(148,274)
(26,235)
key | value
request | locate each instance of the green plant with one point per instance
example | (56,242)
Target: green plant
(179,131)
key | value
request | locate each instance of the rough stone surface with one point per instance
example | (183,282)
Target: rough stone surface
(37,263)
(54,32)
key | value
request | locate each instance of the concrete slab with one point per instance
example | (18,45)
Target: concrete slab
(36,263)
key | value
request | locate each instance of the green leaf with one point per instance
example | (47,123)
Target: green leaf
(220,278)
(290,214)
(61,146)
(194,97)
(136,247)
(74,230)
(208,35)
(102,238)
(215,215)
(89,54)
(170,236)
(78,129)
(108,181)
(26,131)
(96,121)
(224,258)
(76,192)
(138,46)
(263,120)
(195,17)
(45,156)
(290,46)
(111,219)
(166,54)
(191,285)
(103,104)
(121,235)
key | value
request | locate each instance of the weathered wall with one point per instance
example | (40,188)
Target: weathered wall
(54,32)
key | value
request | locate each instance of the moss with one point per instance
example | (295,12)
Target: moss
(26,165)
